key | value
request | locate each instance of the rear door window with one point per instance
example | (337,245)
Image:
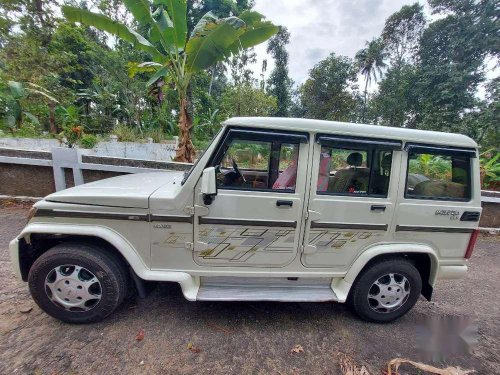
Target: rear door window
(354,171)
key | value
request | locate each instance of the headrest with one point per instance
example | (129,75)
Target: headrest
(355,159)
(324,165)
(386,162)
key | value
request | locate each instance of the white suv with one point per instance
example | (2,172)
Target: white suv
(275,210)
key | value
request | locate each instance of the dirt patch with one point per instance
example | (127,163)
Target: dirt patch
(182,337)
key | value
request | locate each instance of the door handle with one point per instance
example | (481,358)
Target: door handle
(378,207)
(284,203)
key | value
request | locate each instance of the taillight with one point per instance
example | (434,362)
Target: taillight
(472,243)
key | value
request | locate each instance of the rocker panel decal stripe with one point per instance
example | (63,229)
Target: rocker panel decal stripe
(256,223)
(114,216)
(91,215)
(171,219)
(411,228)
(325,225)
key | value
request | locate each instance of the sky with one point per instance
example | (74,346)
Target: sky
(319,27)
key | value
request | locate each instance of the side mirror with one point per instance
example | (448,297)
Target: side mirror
(208,185)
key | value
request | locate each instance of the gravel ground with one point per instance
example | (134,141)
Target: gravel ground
(182,337)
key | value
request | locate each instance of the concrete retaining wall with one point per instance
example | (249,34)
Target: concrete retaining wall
(130,150)
(39,173)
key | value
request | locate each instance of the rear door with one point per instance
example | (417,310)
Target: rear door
(256,216)
(352,198)
(440,199)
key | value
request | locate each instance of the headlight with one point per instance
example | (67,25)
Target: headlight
(31,213)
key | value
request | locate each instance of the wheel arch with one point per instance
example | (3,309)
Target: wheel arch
(48,236)
(424,258)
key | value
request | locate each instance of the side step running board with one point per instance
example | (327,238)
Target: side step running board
(228,288)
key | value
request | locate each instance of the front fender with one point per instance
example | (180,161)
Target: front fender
(107,234)
(188,283)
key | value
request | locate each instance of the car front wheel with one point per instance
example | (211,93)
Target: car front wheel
(386,290)
(78,283)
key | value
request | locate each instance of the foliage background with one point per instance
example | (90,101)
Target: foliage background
(428,74)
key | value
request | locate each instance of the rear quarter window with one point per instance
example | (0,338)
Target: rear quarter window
(438,175)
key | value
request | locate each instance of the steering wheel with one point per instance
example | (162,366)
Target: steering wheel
(237,170)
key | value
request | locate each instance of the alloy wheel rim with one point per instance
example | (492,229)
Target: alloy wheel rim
(388,293)
(73,288)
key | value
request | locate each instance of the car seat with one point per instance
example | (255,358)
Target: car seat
(432,188)
(352,179)
(287,178)
(380,183)
(324,172)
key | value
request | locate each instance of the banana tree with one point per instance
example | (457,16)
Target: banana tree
(14,94)
(173,54)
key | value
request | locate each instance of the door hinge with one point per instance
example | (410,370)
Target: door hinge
(306,215)
(189,245)
(189,210)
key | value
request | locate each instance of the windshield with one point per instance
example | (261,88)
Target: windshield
(188,173)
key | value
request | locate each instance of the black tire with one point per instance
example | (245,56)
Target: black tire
(359,293)
(107,268)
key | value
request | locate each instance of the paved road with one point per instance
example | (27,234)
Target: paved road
(241,338)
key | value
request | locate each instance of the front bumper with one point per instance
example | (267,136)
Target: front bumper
(14,257)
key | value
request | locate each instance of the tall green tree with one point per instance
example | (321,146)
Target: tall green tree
(452,57)
(34,17)
(401,34)
(371,61)
(279,83)
(247,100)
(395,103)
(239,70)
(329,92)
(173,53)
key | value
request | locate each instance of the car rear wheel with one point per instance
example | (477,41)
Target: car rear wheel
(385,291)
(78,283)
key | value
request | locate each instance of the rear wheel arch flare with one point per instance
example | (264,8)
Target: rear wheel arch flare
(425,262)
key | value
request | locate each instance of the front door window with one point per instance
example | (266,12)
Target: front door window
(259,165)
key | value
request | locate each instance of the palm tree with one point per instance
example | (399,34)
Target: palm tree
(213,39)
(371,61)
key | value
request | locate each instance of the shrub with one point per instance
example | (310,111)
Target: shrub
(88,141)
(156,134)
(126,133)
(490,169)
(70,135)
(28,129)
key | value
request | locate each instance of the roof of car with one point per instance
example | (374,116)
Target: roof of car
(352,129)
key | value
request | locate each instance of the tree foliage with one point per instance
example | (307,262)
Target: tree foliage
(437,69)
(247,100)
(402,32)
(422,73)
(175,54)
(279,83)
(371,62)
(328,92)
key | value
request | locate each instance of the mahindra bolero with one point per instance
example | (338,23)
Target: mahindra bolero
(275,209)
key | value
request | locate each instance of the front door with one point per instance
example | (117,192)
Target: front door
(352,199)
(256,216)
